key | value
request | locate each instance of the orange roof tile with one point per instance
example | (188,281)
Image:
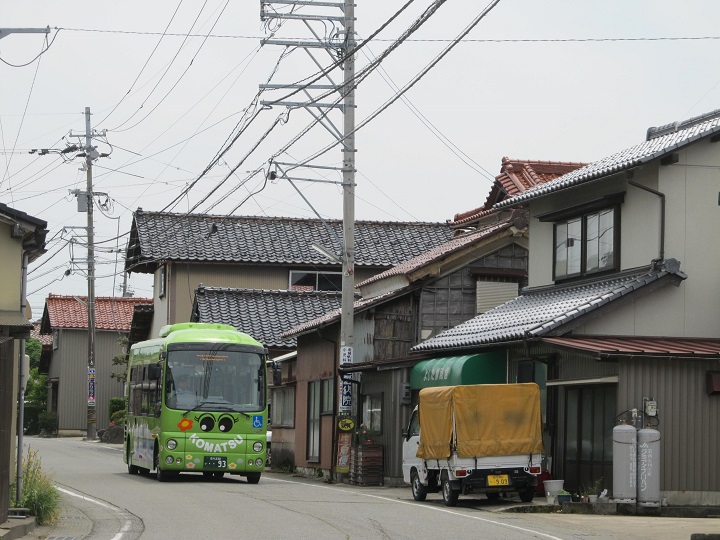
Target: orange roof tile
(516,176)
(71,312)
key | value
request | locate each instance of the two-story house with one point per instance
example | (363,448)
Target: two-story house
(22,240)
(621,317)
(65,318)
(185,251)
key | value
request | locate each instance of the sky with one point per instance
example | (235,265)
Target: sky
(170,83)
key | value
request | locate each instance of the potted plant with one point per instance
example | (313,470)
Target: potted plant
(563,496)
(590,494)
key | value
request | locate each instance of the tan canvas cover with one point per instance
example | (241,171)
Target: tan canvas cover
(491,420)
(497,419)
(435,415)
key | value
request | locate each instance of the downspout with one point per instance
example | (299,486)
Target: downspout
(21,385)
(662,216)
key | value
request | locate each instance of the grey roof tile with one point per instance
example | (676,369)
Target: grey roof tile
(660,141)
(540,310)
(264,314)
(157,236)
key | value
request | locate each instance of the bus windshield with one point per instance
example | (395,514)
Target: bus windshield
(224,378)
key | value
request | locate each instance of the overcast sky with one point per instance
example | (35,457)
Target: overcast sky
(558,80)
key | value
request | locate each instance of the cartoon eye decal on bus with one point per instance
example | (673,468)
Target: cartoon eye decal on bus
(207,422)
(225,423)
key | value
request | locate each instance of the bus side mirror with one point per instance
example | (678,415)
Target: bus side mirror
(154,372)
(276,374)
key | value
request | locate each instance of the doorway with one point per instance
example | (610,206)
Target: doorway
(589,421)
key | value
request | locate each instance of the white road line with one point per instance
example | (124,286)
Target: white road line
(127,524)
(485,520)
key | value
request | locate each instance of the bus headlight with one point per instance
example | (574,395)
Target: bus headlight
(171,444)
(258,462)
(169,460)
(258,446)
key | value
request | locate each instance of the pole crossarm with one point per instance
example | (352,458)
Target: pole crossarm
(4,32)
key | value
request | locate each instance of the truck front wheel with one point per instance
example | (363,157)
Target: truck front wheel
(418,490)
(449,495)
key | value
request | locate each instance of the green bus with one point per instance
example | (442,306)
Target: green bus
(197,401)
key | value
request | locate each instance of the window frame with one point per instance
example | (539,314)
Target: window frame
(317,274)
(582,218)
(312,439)
(283,404)
(372,415)
(327,396)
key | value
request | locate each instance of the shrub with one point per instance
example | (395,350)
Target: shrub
(39,495)
(116,404)
(118,418)
(48,422)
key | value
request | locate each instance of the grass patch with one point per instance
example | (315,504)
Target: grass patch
(39,494)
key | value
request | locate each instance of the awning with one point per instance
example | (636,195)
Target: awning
(16,323)
(483,368)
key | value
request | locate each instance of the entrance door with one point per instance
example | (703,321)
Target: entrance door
(589,421)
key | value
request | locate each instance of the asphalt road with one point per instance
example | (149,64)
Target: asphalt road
(102,501)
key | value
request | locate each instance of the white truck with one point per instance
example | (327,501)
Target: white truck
(481,438)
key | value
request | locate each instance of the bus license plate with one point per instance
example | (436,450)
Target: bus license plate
(498,480)
(215,462)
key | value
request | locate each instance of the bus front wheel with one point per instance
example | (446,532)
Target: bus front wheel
(162,476)
(253,477)
(132,469)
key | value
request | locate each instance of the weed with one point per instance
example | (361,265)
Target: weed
(39,495)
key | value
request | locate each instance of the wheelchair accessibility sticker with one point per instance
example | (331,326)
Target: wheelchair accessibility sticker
(257,421)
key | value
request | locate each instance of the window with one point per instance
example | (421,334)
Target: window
(313,421)
(327,396)
(283,407)
(586,244)
(315,281)
(372,412)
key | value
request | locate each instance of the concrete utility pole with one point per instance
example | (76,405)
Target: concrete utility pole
(90,155)
(339,43)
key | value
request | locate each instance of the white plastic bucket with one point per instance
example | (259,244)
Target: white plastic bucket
(553,486)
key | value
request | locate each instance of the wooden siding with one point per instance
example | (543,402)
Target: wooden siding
(689,427)
(394,331)
(69,366)
(449,301)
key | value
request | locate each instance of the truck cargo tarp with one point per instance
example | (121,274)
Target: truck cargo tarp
(435,415)
(490,419)
(482,368)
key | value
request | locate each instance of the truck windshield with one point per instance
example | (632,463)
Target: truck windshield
(217,379)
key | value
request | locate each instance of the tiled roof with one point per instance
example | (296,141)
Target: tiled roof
(539,312)
(660,141)
(71,312)
(272,240)
(264,314)
(45,339)
(517,219)
(606,347)
(516,176)
(334,315)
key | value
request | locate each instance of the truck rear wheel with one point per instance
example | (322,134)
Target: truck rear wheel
(418,490)
(449,495)
(527,494)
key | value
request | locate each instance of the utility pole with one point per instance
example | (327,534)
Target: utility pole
(90,154)
(338,39)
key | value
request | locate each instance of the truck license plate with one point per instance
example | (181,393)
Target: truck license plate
(215,462)
(498,480)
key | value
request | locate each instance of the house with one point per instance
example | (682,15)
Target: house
(484,265)
(621,317)
(183,251)
(22,241)
(66,319)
